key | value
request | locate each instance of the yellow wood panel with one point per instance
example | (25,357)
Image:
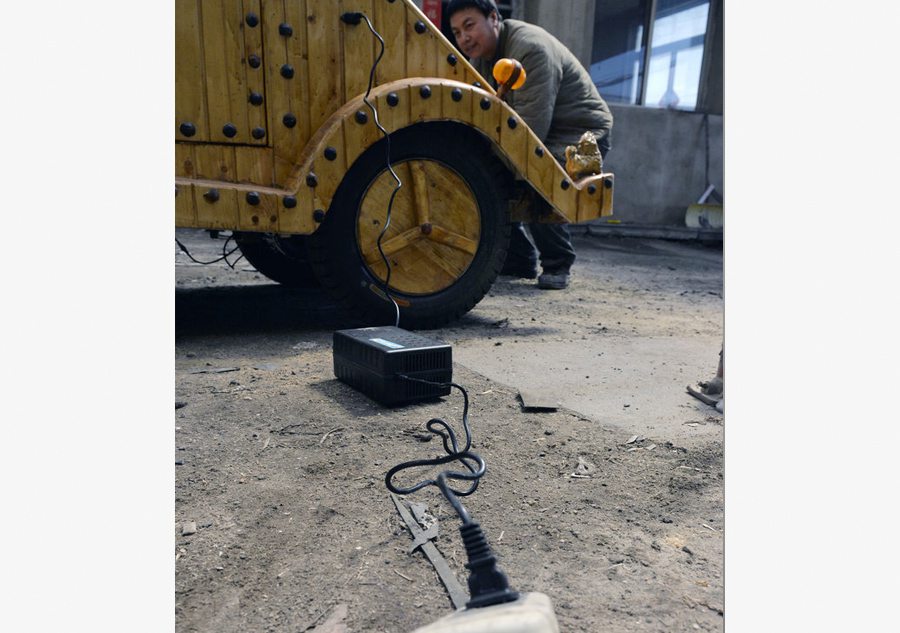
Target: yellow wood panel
(255,165)
(390,22)
(514,140)
(459,110)
(220,214)
(606,207)
(472,78)
(325,63)
(292,94)
(273,56)
(541,169)
(215,162)
(185,210)
(184,160)
(420,59)
(565,199)
(358,137)
(259,217)
(254,78)
(300,218)
(488,121)
(190,83)
(447,70)
(227,91)
(393,118)
(422,108)
(589,198)
(329,173)
(359,47)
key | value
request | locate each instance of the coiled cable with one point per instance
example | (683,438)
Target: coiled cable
(473,462)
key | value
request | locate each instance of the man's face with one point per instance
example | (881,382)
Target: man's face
(476,35)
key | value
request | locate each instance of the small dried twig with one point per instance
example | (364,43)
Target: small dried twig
(402,576)
(709,527)
(334,430)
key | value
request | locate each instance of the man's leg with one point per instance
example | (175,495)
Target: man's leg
(522,257)
(555,246)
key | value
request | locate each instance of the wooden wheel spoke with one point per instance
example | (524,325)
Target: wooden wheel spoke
(393,245)
(454,240)
(420,191)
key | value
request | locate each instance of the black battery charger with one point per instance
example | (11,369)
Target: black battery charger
(387,363)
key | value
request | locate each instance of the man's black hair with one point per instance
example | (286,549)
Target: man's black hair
(485,6)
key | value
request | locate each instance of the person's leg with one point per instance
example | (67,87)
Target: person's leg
(522,257)
(555,246)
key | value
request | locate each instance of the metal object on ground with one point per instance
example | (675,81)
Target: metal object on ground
(457,593)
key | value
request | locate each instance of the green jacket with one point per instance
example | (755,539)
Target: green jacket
(558,101)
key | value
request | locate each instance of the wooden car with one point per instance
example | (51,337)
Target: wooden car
(281,116)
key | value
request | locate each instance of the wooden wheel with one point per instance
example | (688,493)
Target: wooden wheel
(447,238)
(434,231)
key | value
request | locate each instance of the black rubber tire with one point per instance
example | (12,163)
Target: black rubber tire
(335,254)
(281,258)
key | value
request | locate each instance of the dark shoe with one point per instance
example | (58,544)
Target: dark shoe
(519,271)
(553,281)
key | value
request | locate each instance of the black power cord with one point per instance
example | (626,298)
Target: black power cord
(488,585)
(225,253)
(354,18)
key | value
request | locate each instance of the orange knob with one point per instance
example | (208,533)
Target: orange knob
(509,72)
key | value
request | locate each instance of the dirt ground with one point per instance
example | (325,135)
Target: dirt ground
(282,517)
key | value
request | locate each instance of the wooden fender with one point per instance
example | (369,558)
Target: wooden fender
(409,101)
(304,200)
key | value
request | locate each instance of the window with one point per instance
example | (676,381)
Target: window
(666,73)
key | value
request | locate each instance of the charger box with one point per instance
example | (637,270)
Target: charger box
(370,359)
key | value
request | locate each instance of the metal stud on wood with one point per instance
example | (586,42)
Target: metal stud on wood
(188,129)
(289,120)
(252,198)
(229,130)
(287,71)
(252,19)
(258,133)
